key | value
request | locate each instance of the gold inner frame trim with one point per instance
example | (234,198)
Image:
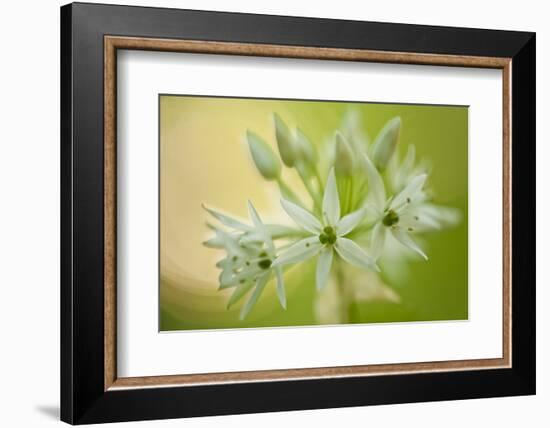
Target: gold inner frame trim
(113,43)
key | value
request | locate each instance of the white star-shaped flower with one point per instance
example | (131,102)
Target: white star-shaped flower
(326,235)
(400,215)
(249,260)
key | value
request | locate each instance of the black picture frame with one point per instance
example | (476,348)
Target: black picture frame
(83,396)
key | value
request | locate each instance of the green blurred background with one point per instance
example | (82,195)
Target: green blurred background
(204,158)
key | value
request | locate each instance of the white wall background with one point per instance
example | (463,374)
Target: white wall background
(29,214)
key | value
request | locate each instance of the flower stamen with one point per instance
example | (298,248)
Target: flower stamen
(264,264)
(328,236)
(390,219)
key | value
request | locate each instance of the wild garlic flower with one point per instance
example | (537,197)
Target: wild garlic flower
(248,263)
(327,235)
(400,215)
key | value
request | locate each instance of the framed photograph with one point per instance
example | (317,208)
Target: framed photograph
(265,213)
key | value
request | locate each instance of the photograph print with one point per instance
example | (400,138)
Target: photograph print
(280,213)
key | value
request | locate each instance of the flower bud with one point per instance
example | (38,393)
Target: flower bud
(352,129)
(344,162)
(285,142)
(386,142)
(306,149)
(266,161)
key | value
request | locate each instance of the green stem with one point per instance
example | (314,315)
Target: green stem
(288,193)
(361,192)
(358,193)
(314,195)
(344,301)
(291,235)
(349,208)
(345,193)
(341,186)
(319,181)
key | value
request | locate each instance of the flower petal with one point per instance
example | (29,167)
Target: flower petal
(299,251)
(260,285)
(373,213)
(260,227)
(409,192)
(350,221)
(377,193)
(331,201)
(225,240)
(239,292)
(354,254)
(255,217)
(278,231)
(302,217)
(227,279)
(324,263)
(443,216)
(407,241)
(252,238)
(227,220)
(408,163)
(377,240)
(280,287)
(215,242)
(274,231)
(416,220)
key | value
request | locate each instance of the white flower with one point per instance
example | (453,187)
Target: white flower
(399,216)
(326,235)
(249,260)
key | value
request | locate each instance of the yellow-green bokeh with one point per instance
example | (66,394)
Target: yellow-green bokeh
(204,159)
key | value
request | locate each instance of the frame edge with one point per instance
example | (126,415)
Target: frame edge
(113,43)
(524,215)
(66,315)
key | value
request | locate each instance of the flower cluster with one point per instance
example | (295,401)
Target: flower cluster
(362,200)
